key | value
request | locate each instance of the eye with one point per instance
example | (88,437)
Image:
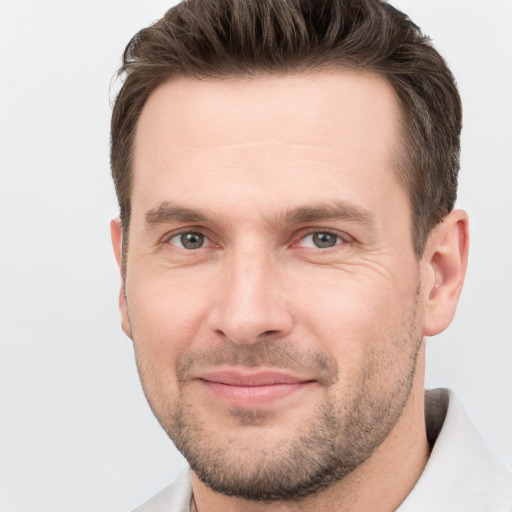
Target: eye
(321,240)
(189,240)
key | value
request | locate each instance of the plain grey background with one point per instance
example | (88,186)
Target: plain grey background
(75,430)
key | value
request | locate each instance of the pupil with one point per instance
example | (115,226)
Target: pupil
(192,240)
(323,240)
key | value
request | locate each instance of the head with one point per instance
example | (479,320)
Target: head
(286,173)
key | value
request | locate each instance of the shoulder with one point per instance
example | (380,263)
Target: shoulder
(175,497)
(461,474)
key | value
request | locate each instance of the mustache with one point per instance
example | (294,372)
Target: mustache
(267,354)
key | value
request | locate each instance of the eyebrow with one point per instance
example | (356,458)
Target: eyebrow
(336,210)
(166,213)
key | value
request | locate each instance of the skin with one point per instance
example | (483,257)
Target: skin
(258,167)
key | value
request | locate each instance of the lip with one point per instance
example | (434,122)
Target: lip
(252,389)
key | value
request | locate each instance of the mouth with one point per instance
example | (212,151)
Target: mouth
(252,389)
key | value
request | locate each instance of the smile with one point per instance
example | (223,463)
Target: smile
(252,390)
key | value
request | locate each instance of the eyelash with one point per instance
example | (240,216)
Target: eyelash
(167,239)
(343,238)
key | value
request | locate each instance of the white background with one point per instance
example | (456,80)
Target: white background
(75,431)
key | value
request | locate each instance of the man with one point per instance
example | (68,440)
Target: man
(286,173)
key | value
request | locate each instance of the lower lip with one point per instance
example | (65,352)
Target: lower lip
(253,396)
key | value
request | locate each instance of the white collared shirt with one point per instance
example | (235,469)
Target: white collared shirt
(461,475)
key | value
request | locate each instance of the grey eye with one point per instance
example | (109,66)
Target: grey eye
(189,240)
(323,240)
(320,240)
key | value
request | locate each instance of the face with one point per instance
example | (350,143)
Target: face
(272,291)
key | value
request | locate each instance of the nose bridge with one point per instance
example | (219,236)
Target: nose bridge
(251,279)
(251,302)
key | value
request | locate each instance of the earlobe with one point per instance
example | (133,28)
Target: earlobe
(445,259)
(116,233)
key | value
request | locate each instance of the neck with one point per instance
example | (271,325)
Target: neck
(378,485)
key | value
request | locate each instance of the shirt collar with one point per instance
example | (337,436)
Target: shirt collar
(460,475)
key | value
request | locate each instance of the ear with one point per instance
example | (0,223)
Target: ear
(445,260)
(116,233)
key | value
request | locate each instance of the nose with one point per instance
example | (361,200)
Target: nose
(251,304)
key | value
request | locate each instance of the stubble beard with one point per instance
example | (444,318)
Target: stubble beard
(338,438)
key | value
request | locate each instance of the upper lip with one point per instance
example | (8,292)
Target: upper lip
(254,378)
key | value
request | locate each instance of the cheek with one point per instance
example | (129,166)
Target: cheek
(350,315)
(166,314)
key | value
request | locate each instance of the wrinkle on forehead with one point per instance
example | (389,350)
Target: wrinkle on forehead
(255,143)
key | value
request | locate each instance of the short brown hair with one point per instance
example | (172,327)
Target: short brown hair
(224,38)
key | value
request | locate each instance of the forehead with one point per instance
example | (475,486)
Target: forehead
(335,99)
(266,133)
